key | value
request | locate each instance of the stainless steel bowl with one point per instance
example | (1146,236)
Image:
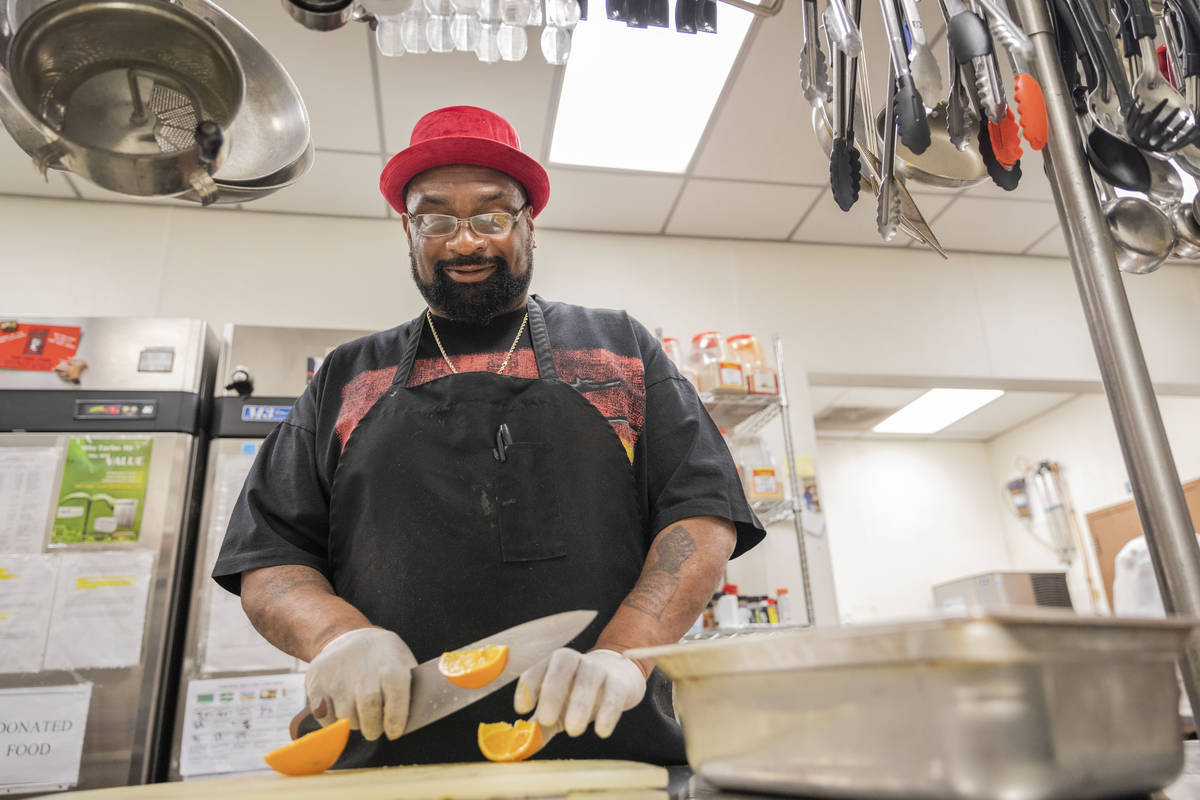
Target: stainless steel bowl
(1018,707)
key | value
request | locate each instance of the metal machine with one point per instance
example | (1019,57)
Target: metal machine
(237,691)
(1004,591)
(101,453)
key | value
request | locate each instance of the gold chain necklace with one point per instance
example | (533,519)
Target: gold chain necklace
(450,364)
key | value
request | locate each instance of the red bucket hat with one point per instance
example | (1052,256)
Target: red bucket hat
(464,135)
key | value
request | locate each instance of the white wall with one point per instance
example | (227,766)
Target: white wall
(1080,436)
(854,312)
(906,516)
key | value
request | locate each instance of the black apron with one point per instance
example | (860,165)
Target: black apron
(442,531)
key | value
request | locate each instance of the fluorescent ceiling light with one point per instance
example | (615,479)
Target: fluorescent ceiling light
(937,409)
(639,99)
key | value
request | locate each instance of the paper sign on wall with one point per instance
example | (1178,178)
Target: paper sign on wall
(103,490)
(26,496)
(230,723)
(41,736)
(99,609)
(26,595)
(231,643)
(36,347)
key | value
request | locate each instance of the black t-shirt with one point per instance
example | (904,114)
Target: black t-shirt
(681,465)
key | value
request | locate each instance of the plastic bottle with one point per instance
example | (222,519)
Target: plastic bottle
(760,378)
(772,611)
(784,601)
(760,479)
(674,352)
(715,367)
(745,615)
(727,607)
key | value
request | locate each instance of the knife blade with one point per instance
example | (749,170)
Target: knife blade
(432,697)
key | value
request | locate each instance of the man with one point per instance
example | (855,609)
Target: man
(497,459)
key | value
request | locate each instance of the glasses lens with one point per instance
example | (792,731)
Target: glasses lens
(497,223)
(436,224)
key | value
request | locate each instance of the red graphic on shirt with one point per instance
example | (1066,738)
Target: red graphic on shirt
(358,396)
(613,383)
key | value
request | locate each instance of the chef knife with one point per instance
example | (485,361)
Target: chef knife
(432,697)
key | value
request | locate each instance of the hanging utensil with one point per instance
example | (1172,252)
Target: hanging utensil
(1186,47)
(966,32)
(1117,162)
(909,107)
(1160,116)
(1031,102)
(845,172)
(814,75)
(1142,233)
(1187,233)
(960,113)
(146,103)
(1166,187)
(912,222)
(1006,177)
(924,65)
(843,33)
(887,216)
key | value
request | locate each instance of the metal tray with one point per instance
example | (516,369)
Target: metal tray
(1017,707)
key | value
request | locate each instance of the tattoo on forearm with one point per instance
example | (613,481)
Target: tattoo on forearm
(658,583)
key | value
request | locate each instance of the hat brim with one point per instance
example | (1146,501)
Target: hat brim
(443,151)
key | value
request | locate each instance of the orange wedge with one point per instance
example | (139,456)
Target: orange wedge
(472,669)
(312,753)
(499,741)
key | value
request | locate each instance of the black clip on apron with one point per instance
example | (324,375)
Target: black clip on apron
(476,502)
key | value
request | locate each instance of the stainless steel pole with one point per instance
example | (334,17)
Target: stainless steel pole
(794,483)
(1156,487)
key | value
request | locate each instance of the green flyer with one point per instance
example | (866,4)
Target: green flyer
(103,491)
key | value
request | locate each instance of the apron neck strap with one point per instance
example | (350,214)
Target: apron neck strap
(538,335)
(541,341)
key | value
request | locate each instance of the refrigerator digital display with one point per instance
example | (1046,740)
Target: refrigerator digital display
(115,409)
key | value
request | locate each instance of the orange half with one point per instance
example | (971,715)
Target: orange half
(473,669)
(312,753)
(499,741)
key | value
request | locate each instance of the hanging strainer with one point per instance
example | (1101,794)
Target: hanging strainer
(135,95)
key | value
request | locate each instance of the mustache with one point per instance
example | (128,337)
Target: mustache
(499,262)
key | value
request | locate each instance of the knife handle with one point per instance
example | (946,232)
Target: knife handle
(302,719)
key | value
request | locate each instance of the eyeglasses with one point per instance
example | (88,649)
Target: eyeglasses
(494,223)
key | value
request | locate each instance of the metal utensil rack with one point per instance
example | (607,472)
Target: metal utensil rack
(1157,491)
(748,414)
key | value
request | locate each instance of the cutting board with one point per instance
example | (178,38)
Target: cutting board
(475,780)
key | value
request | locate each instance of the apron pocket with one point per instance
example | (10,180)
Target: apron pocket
(529,504)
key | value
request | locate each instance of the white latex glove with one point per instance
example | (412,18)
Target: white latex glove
(364,675)
(571,689)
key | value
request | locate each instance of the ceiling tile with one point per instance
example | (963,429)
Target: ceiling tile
(332,70)
(346,184)
(828,224)
(1002,414)
(994,226)
(519,91)
(740,210)
(740,143)
(17,175)
(604,201)
(1052,244)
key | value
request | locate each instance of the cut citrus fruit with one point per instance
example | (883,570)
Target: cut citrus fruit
(499,741)
(312,753)
(472,669)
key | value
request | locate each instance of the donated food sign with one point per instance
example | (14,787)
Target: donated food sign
(103,491)
(41,736)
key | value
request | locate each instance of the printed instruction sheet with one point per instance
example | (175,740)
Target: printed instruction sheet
(229,724)
(26,597)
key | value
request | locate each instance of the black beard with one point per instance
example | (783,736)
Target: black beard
(473,303)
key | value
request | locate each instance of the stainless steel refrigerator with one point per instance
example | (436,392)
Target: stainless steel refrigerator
(101,451)
(238,692)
